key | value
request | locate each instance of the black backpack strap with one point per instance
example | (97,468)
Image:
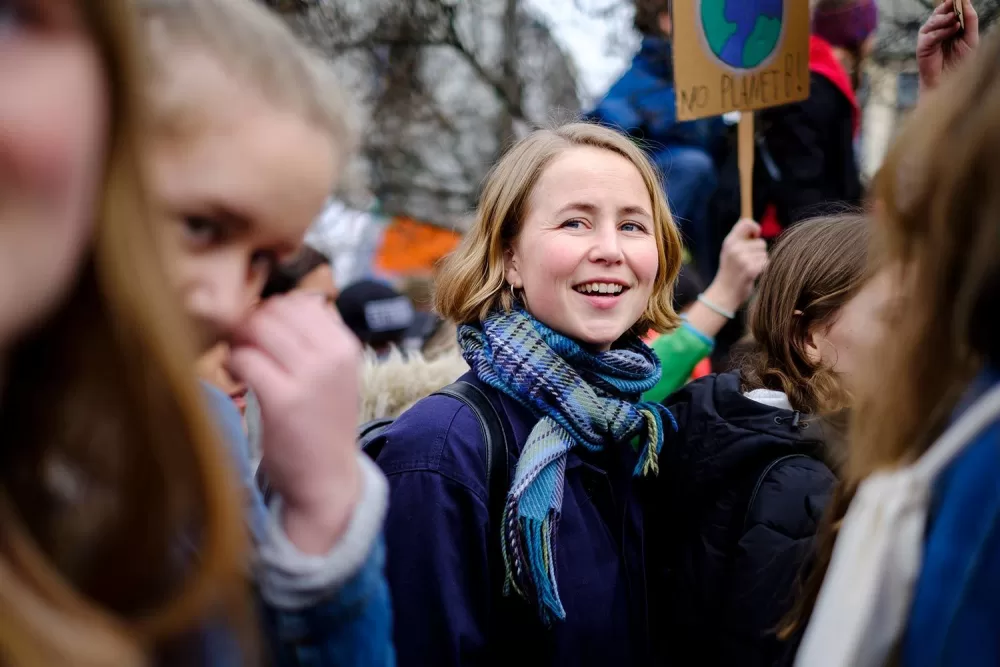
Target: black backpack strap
(495,439)
(369,436)
(760,481)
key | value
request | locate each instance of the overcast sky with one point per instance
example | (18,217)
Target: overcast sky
(598,36)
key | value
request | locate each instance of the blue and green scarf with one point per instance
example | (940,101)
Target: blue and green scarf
(582,399)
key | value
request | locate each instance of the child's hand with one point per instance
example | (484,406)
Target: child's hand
(302,362)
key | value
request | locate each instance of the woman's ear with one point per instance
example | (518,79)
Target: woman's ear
(511,272)
(811,347)
(813,343)
(810,339)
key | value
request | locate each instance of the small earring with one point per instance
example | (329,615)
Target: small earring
(513,294)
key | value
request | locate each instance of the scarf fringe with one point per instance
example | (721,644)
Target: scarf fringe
(649,458)
(530,561)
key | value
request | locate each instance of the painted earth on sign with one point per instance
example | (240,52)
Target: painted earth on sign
(742,33)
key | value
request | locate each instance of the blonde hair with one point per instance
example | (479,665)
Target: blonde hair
(472,284)
(102,395)
(252,44)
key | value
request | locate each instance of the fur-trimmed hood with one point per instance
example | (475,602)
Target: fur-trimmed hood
(392,384)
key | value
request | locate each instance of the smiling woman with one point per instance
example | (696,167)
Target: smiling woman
(586,257)
(573,253)
(590,196)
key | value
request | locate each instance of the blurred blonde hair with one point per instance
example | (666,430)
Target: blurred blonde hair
(252,44)
(110,463)
(472,280)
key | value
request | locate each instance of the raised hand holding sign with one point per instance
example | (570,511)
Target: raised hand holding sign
(740,55)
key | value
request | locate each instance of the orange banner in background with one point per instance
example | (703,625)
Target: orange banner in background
(412,248)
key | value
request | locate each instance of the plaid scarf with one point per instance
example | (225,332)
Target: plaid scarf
(581,399)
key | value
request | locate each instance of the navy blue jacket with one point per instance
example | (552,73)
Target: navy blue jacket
(643,103)
(743,487)
(447,608)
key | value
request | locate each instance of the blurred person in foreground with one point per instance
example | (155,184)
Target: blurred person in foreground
(122,530)
(309,272)
(911,550)
(250,133)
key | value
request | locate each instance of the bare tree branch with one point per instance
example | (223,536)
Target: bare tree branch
(444,84)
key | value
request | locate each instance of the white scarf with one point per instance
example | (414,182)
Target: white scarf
(864,604)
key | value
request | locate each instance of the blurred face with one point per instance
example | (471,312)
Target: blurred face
(53,115)
(241,187)
(849,344)
(586,259)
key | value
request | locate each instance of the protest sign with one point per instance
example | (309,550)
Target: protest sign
(739,55)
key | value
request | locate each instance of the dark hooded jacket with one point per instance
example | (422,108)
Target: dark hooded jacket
(743,486)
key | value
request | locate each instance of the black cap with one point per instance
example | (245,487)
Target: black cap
(375,312)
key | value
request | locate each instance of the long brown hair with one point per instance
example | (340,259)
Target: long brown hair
(109,466)
(816,267)
(939,221)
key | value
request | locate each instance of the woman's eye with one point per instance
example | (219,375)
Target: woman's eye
(573,224)
(202,231)
(632,227)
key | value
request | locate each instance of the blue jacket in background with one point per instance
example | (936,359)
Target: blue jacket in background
(955,618)
(643,103)
(448,610)
(350,628)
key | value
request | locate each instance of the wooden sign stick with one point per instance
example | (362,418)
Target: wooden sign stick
(746,151)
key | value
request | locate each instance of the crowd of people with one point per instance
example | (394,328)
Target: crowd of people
(213,455)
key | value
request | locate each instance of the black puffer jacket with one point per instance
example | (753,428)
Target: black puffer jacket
(744,486)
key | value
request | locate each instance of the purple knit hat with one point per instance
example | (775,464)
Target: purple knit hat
(846,25)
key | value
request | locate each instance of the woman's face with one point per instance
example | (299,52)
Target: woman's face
(848,345)
(53,116)
(241,189)
(586,259)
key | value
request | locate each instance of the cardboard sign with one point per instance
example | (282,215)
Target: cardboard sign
(739,55)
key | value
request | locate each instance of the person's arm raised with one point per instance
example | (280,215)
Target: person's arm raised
(942,44)
(743,257)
